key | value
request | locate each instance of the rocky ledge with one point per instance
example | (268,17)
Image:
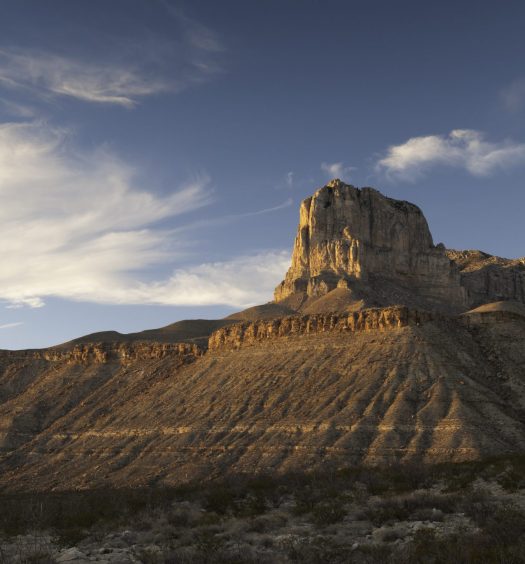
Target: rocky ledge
(106,352)
(235,336)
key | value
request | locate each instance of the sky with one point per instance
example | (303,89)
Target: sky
(154,153)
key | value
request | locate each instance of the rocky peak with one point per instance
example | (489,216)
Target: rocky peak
(356,239)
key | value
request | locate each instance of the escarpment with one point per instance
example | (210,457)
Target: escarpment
(241,334)
(356,239)
(105,352)
(356,248)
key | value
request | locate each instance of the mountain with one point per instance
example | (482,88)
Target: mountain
(357,248)
(379,347)
(378,249)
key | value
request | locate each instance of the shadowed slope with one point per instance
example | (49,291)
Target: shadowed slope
(188,331)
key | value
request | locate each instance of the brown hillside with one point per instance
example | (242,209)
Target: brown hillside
(372,387)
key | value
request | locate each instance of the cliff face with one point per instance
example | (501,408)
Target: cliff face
(352,238)
(488,278)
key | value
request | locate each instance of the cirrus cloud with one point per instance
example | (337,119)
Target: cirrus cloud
(128,71)
(75,225)
(72,223)
(513,95)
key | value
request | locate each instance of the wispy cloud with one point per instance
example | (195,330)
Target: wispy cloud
(461,148)
(75,225)
(125,75)
(513,95)
(11,325)
(16,110)
(53,74)
(337,170)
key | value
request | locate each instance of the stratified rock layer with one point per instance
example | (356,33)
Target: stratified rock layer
(359,239)
(242,334)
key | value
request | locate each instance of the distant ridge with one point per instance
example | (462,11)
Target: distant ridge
(191,331)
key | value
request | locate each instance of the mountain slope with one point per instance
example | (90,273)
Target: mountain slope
(273,396)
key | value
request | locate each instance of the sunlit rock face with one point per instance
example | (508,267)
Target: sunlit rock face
(348,235)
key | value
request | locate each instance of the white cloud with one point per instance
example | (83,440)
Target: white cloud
(513,95)
(462,148)
(289,179)
(337,170)
(11,325)
(74,225)
(240,282)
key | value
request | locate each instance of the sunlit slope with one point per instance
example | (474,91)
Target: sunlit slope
(435,392)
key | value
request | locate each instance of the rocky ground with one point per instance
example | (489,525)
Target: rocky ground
(473,512)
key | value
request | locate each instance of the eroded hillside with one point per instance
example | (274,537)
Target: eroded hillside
(412,387)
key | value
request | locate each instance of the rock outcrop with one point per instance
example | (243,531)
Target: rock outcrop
(358,239)
(487,278)
(249,333)
(88,353)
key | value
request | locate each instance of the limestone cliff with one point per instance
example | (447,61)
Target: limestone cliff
(488,278)
(360,240)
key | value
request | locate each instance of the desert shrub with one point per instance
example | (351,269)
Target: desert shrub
(476,504)
(388,534)
(505,525)
(179,518)
(410,507)
(328,513)
(512,479)
(427,514)
(305,501)
(462,548)
(267,487)
(219,500)
(372,554)
(265,523)
(70,536)
(208,543)
(207,519)
(386,511)
(251,505)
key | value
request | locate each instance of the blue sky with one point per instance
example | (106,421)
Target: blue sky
(153,153)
